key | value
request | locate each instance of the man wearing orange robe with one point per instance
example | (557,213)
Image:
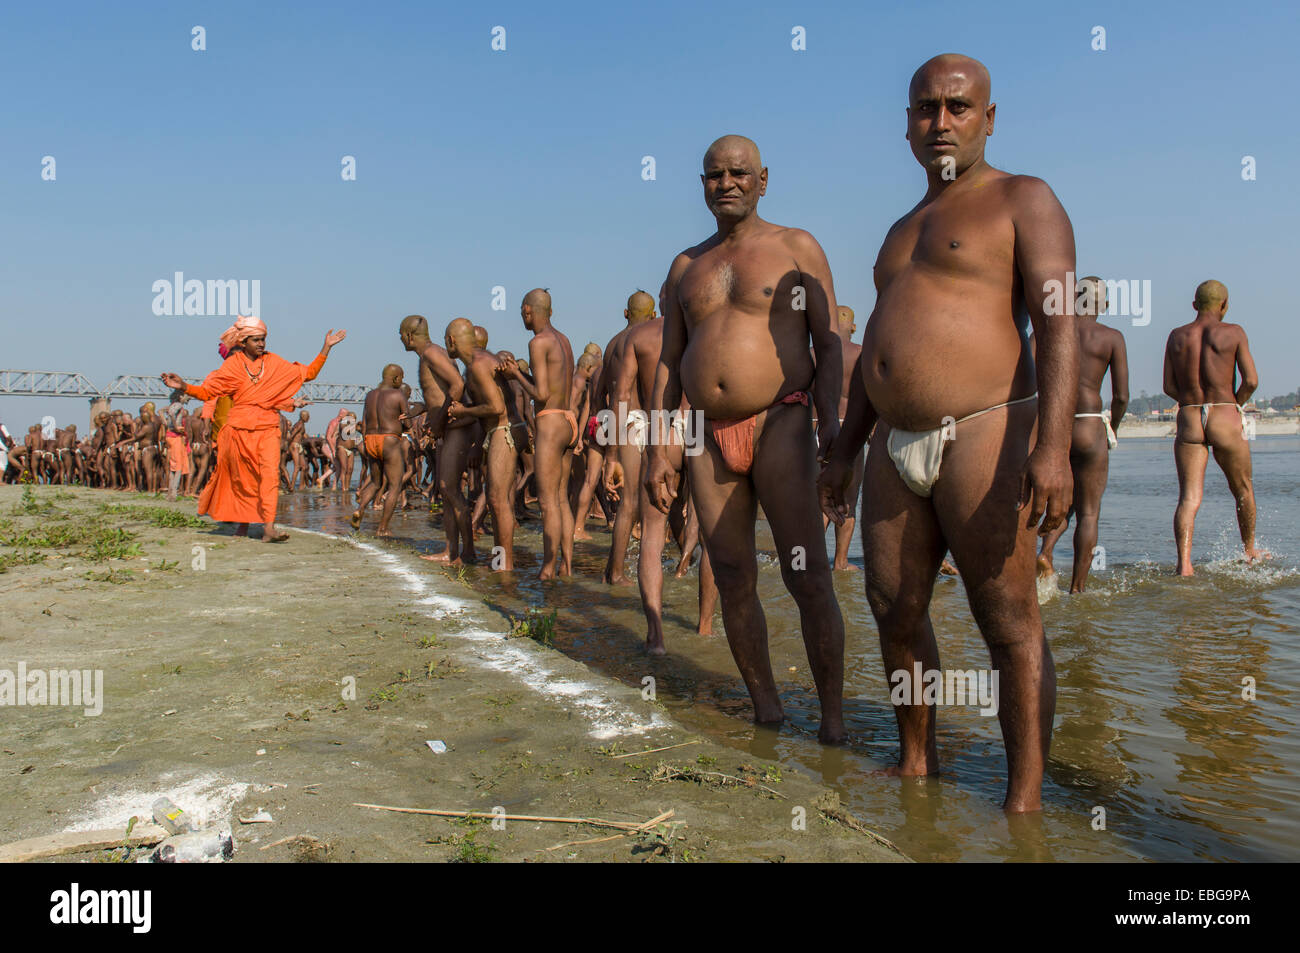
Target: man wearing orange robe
(245,488)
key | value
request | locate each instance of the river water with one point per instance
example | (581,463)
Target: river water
(1156,754)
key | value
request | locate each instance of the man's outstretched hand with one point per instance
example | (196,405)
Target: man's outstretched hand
(334,337)
(173,381)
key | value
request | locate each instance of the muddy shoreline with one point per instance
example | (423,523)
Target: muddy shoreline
(304,678)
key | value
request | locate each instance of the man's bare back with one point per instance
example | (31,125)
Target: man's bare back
(1209,370)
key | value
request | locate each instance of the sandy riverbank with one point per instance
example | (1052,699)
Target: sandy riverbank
(224,687)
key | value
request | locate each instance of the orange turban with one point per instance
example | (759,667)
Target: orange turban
(244,327)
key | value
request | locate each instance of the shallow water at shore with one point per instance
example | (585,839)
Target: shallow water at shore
(1151,725)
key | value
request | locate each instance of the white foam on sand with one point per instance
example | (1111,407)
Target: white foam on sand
(493,651)
(206,798)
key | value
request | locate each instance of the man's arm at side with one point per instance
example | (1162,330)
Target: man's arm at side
(1045,257)
(1170,378)
(1118,381)
(819,287)
(1246,367)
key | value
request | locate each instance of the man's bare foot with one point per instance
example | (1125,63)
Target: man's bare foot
(655,648)
(831,731)
(769,712)
(1185,569)
(846,565)
(919,770)
(705,627)
(442,557)
(1026,804)
(619,580)
(946,568)
(1257,556)
(276,538)
(1045,567)
(581,536)
(355,519)
(383,532)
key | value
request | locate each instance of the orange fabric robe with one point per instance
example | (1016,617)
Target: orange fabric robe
(245,486)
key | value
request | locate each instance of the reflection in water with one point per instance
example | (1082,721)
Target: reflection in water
(1151,726)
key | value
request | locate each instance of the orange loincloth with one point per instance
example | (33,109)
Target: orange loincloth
(735,438)
(178,453)
(375,444)
(569,416)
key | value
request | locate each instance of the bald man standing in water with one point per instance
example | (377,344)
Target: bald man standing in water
(1101,349)
(972,441)
(382,418)
(741,308)
(1202,362)
(550,386)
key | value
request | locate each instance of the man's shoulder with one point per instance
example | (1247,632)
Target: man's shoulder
(1024,193)
(798,240)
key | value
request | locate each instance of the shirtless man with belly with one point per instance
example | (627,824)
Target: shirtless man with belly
(972,440)
(742,307)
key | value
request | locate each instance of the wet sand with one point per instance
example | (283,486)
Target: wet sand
(225,689)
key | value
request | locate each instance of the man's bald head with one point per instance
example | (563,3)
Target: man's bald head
(640,306)
(592,348)
(847,322)
(949,115)
(460,337)
(480,335)
(539,300)
(392,375)
(733,178)
(729,144)
(1211,296)
(947,68)
(1091,297)
(414,331)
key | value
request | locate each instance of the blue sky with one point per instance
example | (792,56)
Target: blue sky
(523,168)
